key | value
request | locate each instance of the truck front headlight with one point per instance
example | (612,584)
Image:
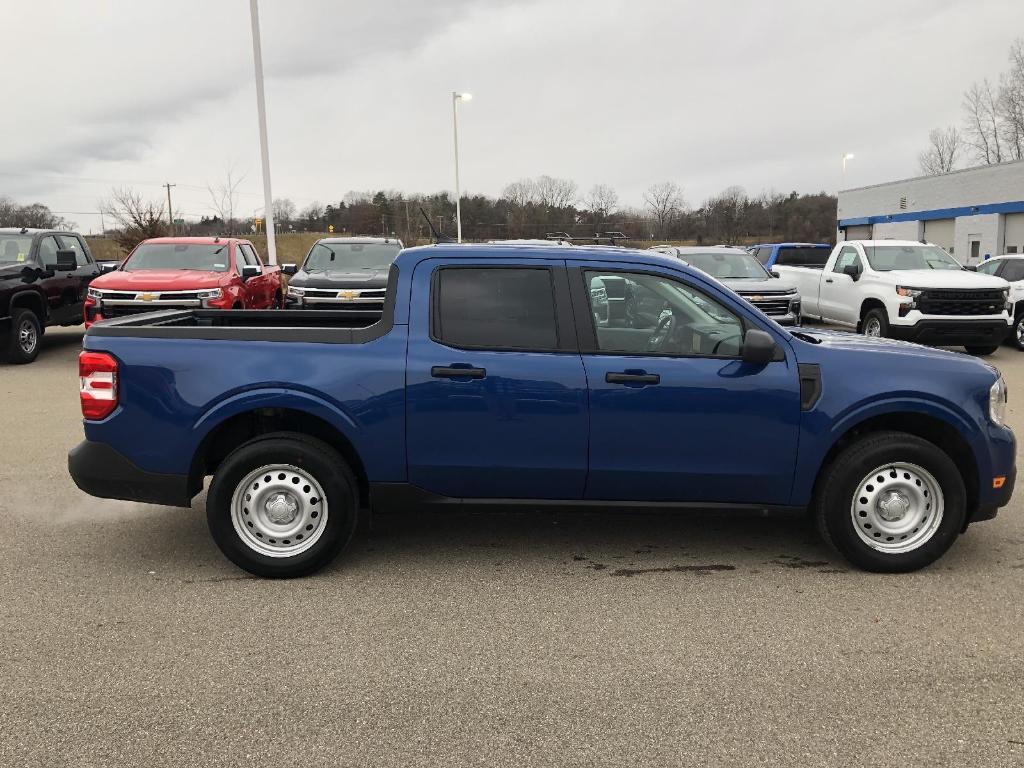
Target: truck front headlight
(296,292)
(997,397)
(911,293)
(211,294)
(95,294)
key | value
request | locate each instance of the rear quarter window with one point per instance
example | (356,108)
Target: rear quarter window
(802,257)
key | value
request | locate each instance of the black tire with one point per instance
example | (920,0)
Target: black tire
(880,315)
(16,349)
(312,456)
(1016,336)
(841,480)
(981,350)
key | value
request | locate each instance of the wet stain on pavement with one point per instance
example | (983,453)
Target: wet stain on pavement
(674,569)
(792,561)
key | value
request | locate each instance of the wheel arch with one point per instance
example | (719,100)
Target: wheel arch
(246,424)
(869,303)
(29,299)
(934,429)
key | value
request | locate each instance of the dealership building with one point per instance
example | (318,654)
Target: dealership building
(973,213)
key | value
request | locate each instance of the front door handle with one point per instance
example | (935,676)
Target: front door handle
(631,377)
(828,279)
(455,372)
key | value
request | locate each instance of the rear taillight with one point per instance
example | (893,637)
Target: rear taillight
(97,384)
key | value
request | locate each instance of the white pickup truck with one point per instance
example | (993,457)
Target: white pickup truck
(906,290)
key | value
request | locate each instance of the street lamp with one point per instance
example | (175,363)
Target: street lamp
(846,156)
(456,98)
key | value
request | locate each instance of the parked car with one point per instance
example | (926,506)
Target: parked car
(1010,267)
(344,273)
(739,271)
(44,276)
(183,272)
(906,290)
(498,376)
(791,254)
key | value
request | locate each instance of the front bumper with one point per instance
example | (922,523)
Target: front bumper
(100,470)
(1002,456)
(952,333)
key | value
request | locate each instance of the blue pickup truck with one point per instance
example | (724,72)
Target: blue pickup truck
(529,376)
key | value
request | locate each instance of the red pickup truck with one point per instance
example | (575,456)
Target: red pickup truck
(183,272)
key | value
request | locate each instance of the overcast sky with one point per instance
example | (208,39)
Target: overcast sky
(766,95)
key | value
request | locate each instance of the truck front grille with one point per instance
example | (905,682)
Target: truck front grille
(770,305)
(961,302)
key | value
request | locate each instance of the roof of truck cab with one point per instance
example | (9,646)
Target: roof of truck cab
(360,240)
(790,245)
(196,240)
(578,253)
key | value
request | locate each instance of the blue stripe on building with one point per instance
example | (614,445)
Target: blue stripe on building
(938,213)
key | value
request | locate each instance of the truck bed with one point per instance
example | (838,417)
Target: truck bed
(334,326)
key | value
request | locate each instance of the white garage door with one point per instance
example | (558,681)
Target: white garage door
(940,233)
(1014,233)
(859,232)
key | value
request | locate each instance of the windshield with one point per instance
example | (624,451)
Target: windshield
(727,266)
(886,258)
(14,249)
(350,256)
(202,258)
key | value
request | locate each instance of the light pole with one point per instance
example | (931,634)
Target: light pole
(261,108)
(456,98)
(846,156)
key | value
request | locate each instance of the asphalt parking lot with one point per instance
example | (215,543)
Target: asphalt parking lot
(519,639)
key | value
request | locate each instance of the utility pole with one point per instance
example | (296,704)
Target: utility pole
(170,214)
(261,108)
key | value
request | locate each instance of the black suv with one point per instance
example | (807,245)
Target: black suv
(344,273)
(44,276)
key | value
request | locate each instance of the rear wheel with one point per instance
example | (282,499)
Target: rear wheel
(282,505)
(26,331)
(875,323)
(1017,334)
(983,351)
(891,502)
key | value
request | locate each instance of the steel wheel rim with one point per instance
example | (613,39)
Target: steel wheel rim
(279,510)
(873,327)
(27,337)
(1019,328)
(897,508)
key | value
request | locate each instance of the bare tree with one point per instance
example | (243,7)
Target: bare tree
(1011,102)
(945,145)
(520,193)
(981,105)
(771,201)
(555,193)
(135,219)
(224,197)
(601,201)
(665,203)
(284,212)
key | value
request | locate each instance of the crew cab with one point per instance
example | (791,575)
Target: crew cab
(906,290)
(737,269)
(1010,267)
(344,273)
(504,376)
(183,272)
(44,276)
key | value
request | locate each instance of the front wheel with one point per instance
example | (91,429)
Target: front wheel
(891,502)
(875,323)
(282,505)
(1017,334)
(982,351)
(26,331)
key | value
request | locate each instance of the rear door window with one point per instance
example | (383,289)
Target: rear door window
(495,308)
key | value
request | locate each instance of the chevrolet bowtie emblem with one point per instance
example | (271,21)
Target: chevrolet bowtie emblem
(147,296)
(348,295)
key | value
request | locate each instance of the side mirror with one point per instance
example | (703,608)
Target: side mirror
(108,266)
(290,269)
(853,270)
(250,270)
(759,348)
(971,267)
(773,273)
(66,261)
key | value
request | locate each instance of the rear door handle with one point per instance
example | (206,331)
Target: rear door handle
(627,377)
(454,372)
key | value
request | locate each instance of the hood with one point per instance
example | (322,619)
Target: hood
(340,278)
(158,280)
(943,278)
(768,286)
(903,350)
